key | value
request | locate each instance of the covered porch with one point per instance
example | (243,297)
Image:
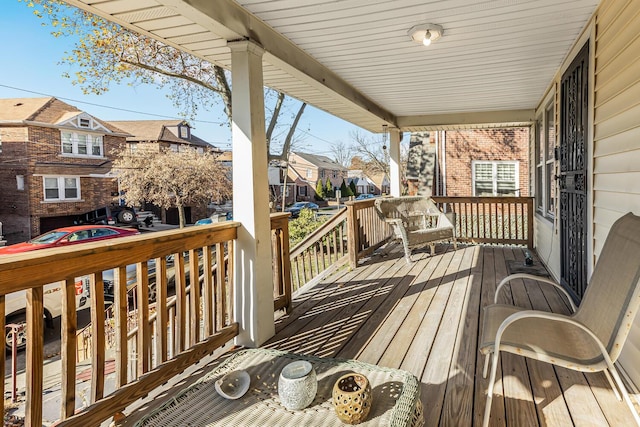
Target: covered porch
(350,59)
(424,318)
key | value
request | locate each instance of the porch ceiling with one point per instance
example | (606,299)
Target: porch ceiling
(354,59)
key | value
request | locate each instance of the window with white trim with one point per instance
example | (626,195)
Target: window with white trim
(82,144)
(309,173)
(61,188)
(497,178)
(545,162)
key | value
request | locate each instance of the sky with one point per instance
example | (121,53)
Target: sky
(30,67)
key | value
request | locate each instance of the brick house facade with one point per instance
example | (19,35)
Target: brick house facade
(305,169)
(477,162)
(55,163)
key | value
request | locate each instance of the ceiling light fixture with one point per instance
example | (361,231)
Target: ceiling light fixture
(425,33)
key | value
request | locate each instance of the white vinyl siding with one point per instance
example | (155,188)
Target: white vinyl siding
(59,188)
(82,144)
(616,144)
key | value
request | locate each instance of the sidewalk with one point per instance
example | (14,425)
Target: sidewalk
(52,396)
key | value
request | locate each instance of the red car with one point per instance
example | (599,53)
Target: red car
(66,236)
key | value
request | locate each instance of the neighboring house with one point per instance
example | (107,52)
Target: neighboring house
(174,135)
(478,162)
(171,135)
(276,174)
(364,183)
(55,163)
(305,169)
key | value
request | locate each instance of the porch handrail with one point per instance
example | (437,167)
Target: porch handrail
(320,253)
(210,311)
(503,220)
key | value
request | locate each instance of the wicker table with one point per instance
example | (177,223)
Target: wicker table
(396,400)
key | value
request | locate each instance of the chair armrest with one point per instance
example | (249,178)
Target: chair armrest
(541,279)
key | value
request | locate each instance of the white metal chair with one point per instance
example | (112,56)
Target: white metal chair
(589,340)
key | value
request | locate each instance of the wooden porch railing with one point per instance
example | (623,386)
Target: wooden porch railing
(505,220)
(320,253)
(281,292)
(367,231)
(183,329)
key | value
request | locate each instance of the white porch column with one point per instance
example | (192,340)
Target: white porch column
(394,162)
(253,280)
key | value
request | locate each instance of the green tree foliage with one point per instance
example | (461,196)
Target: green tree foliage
(345,190)
(306,223)
(329,191)
(352,187)
(320,189)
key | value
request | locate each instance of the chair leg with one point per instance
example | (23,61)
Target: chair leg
(486,365)
(625,394)
(492,380)
(613,385)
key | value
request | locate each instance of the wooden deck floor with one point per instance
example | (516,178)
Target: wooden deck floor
(425,318)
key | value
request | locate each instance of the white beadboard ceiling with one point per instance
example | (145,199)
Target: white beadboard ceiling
(354,59)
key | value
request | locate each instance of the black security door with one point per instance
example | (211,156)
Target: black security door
(573,174)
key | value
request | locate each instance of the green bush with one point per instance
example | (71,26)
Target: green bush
(306,223)
(354,190)
(320,192)
(345,190)
(328,189)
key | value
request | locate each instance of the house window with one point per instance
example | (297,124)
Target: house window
(61,188)
(495,178)
(174,148)
(82,144)
(302,191)
(309,173)
(184,131)
(85,123)
(322,174)
(545,162)
(20,182)
(335,174)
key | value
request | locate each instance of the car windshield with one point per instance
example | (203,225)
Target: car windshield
(49,237)
(299,205)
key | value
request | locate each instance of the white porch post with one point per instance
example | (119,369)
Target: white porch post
(394,160)
(253,280)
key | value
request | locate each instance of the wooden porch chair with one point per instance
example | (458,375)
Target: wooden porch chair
(590,339)
(416,221)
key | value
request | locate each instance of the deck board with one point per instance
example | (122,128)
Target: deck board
(425,318)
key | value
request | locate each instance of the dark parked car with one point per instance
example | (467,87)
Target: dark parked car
(298,206)
(110,215)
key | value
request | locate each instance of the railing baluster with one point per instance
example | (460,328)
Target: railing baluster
(181,303)
(120,304)
(194,296)
(208,294)
(68,349)
(98,342)
(143,339)
(161,310)
(220,288)
(35,356)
